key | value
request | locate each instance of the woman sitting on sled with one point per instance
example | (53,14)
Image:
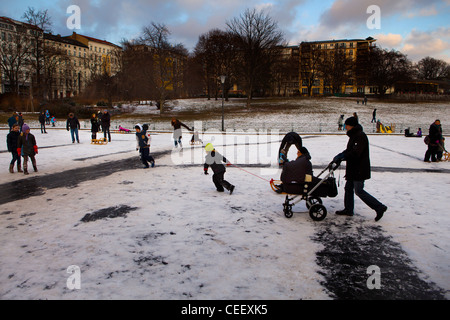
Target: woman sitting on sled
(294,172)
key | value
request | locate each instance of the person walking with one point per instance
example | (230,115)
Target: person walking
(374,116)
(73,125)
(42,121)
(357,170)
(177,133)
(435,138)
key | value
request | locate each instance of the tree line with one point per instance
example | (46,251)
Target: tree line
(249,52)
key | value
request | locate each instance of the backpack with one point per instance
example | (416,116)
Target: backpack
(426,140)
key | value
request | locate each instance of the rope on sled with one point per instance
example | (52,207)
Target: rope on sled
(233,165)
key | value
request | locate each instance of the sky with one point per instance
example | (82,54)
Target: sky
(417,28)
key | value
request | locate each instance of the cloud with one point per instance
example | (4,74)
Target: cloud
(389,40)
(354,12)
(424,12)
(420,44)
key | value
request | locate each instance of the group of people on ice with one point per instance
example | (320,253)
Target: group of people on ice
(21,142)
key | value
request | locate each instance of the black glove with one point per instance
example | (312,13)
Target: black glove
(339,158)
(206,172)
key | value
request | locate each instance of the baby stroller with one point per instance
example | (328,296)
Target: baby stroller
(312,190)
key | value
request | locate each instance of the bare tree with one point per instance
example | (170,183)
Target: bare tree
(258,36)
(54,60)
(156,38)
(433,69)
(216,52)
(15,59)
(388,67)
(42,23)
(335,68)
(310,60)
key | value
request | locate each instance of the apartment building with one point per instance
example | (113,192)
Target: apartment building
(67,66)
(104,56)
(20,54)
(334,66)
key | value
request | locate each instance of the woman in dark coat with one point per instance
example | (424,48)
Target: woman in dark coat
(357,170)
(294,173)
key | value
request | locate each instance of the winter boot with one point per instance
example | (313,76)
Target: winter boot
(25,171)
(11,168)
(35,168)
(19,168)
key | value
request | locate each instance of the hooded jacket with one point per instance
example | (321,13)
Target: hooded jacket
(142,140)
(357,155)
(215,160)
(26,142)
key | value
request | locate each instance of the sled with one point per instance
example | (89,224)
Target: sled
(121,131)
(99,141)
(193,143)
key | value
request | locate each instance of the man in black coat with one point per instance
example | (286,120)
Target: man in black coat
(357,170)
(106,123)
(435,135)
(42,121)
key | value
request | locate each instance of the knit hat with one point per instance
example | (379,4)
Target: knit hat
(25,127)
(209,147)
(138,126)
(352,121)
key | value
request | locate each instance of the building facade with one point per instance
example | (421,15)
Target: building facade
(104,56)
(67,67)
(334,67)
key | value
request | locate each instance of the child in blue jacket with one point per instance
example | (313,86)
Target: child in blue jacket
(143,145)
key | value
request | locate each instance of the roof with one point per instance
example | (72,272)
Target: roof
(97,40)
(369,39)
(20,23)
(58,38)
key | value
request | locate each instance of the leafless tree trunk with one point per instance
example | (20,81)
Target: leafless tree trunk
(258,35)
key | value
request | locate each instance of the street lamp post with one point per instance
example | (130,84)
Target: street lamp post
(222,80)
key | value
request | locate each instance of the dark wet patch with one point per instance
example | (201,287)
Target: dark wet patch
(111,212)
(37,185)
(350,248)
(150,260)
(5,213)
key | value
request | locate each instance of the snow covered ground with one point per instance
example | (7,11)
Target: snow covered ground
(165,233)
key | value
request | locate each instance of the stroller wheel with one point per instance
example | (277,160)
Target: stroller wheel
(287,208)
(312,201)
(318,212)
